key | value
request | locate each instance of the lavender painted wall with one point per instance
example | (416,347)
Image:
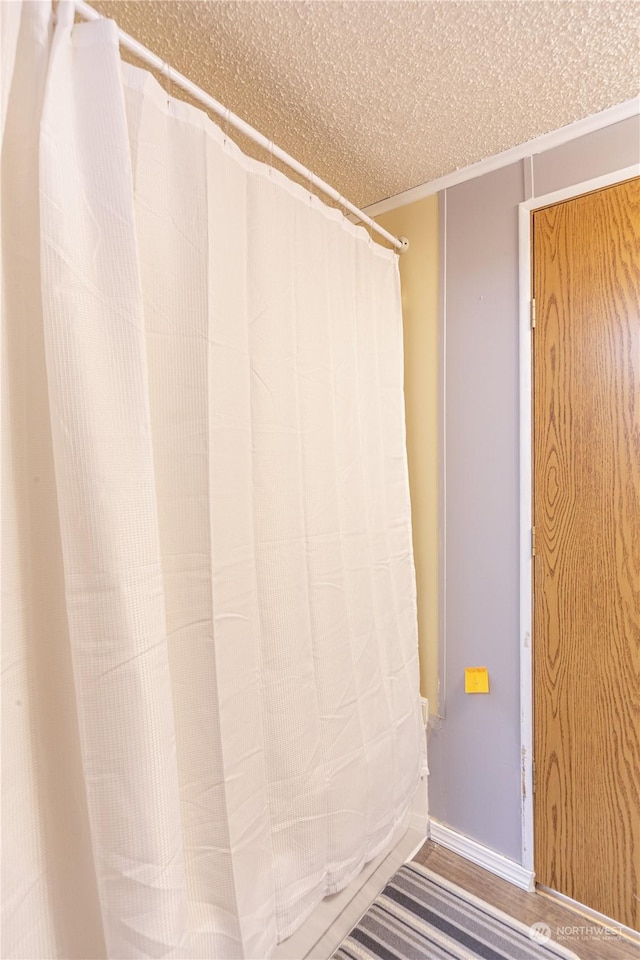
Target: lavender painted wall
(474,752)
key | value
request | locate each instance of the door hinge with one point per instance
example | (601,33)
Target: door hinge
(533,541)
(533,313)
(533,777)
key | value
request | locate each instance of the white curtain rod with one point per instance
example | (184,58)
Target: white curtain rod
(144,54)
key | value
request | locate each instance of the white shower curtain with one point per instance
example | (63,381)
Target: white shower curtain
(210,710)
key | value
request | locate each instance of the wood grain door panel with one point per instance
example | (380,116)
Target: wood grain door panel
(586,505)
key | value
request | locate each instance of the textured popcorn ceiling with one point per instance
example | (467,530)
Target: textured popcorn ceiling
(381,96)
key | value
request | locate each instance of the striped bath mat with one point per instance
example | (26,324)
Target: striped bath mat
(421,916)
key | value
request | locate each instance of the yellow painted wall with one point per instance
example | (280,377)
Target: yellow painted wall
(419,277)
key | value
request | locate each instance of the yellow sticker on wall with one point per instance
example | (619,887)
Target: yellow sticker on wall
(476,680)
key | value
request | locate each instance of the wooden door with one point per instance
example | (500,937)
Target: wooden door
(586,503)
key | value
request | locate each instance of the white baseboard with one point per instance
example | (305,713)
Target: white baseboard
(482,856)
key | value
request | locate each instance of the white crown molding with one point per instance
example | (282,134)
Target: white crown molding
(597,121)
(482,856)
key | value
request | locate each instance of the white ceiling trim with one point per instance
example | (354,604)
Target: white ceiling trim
(597,121)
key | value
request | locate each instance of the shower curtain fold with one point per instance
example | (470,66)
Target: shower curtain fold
(210,708)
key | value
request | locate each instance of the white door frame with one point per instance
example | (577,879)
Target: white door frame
(526,466)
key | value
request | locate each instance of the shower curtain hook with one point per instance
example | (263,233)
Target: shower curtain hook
(227,114)
(310,186)
(168,84)
(342,206)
